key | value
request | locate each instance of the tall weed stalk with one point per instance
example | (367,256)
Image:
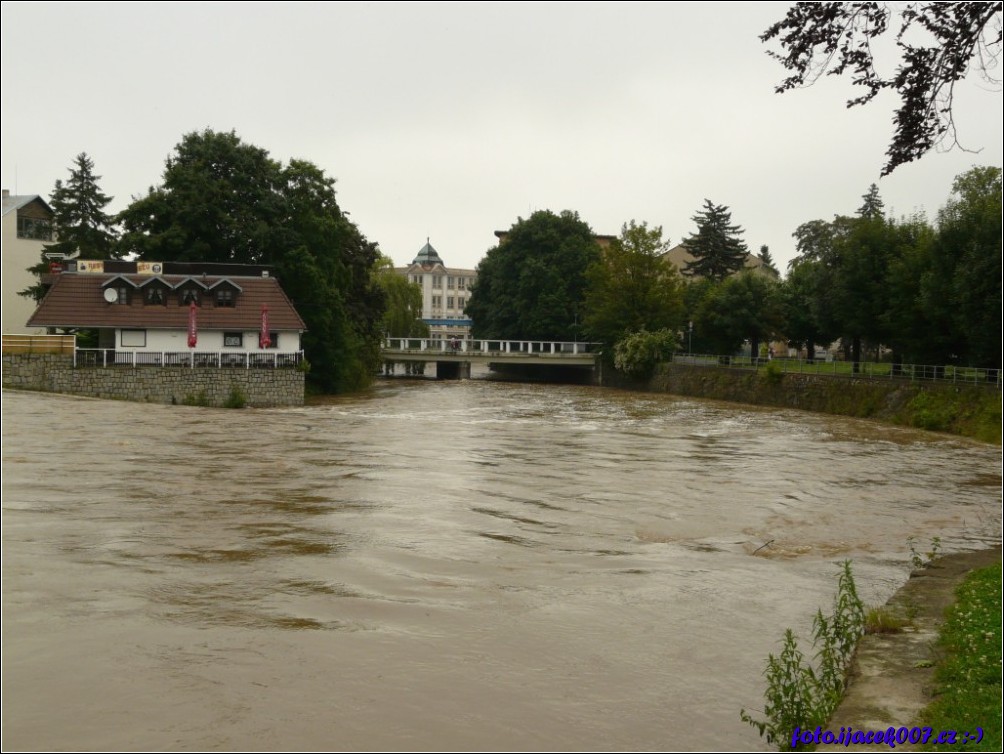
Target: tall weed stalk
(802,695)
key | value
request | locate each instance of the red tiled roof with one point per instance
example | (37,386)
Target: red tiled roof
(77,300)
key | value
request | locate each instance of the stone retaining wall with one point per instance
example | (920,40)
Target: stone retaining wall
(54,373)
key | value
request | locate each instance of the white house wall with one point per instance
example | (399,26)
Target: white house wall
(209,340)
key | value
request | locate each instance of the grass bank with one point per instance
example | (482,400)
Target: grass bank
(968,691)
(970,414)
(966,410)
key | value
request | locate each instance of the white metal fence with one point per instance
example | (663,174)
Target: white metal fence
(882,370)
(109,357)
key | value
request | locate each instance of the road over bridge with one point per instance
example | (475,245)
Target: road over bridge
(463,353)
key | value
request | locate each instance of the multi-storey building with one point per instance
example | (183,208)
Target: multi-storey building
(27,228)
(445,293)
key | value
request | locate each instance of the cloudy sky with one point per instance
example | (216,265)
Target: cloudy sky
(453,120)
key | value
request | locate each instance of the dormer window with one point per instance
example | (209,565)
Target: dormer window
(122,295)
(225,292)
(155,296)
(189,296)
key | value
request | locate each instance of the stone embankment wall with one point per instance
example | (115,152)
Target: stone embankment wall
(54,373)
(958,408)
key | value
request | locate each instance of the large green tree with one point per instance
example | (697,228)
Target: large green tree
(219,202)
(717,246)
(531,285)
(631,288)
(802,292)
(223,200)
(850,258)
(969,245)
(747,306)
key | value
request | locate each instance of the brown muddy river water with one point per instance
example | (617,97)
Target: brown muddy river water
(442,565)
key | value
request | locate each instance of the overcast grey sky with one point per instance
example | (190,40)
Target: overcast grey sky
(453,120)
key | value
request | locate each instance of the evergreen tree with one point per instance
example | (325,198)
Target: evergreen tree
(873,206)
(768,261)
(717,247)
(79,222)
(79,219)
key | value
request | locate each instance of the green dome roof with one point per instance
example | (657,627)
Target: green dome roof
(427,255)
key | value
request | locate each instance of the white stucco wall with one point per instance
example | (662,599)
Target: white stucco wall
(209,340)
(17,256)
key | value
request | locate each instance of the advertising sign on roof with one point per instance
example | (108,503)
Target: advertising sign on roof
(149,268)
(90,265)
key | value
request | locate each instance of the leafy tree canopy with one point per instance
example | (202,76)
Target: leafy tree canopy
(531,285)
(223,200)
(638,354)
(631,288)
(968,256)
(938,42)
(746,306)
(403,315)
(717,247)
(219,202)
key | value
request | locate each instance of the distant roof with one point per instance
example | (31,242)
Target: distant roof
(679,256)
(427,255)
(76,300)
(11,203)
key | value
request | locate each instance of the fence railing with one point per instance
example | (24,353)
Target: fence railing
(491,347)
(38,343)
(863,369)
(109,357)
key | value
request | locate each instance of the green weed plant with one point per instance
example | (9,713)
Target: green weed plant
(801,694)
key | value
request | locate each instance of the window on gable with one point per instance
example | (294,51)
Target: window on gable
(225,297)
(34,228)
(189,296)
(123,295)
(155,295)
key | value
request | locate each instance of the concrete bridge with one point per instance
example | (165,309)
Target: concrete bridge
(454,358)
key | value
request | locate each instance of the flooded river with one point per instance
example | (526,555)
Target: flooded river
(442,565)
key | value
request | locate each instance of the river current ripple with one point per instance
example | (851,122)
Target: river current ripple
(442,565)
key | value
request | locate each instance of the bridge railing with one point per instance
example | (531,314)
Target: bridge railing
(490,347)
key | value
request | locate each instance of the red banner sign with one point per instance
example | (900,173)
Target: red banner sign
(264,340)
(193,326)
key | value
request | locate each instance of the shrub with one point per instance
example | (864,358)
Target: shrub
(236,399)
(196,399)
(638,354)
(773,373)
